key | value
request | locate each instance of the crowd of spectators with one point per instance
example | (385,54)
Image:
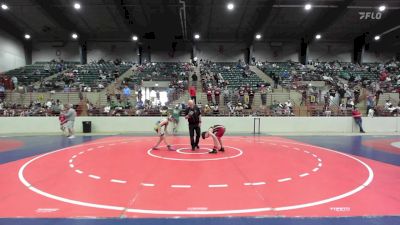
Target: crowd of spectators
(346,85)
(236,98)
(49,107)
(92,77)
(290,73)
(31,77)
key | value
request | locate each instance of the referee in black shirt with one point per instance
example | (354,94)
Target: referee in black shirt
(193,115)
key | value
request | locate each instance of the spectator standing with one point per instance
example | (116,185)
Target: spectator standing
(241,95)
(251,96)
(193,93)
(14,80)
(357,118)
(209,96)
(82,109)
(217,93)
(127,93)
(370,102)
(118,94)
(332,92)
(70,116)
(139,94)
(377,95)
(194,77)
(263,94)
(2,92)
(247,88)
(108,95)
(342,92)
(303,97)
(235,96)
(246,98)
(276,80)
(226,95)
(158,95)
(356,95)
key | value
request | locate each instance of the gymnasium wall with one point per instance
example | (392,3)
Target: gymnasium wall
(47,51)
(268,51)
(329,51)
(127,51)
(245,125)
(169,56)
(378,53)
(221,52)
(12,53)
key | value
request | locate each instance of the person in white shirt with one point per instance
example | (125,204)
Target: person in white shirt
(342,107)
(289,106)
(289,103)
(14,79)
(70,115)
(239,108)
(388,104)
(49,104)
(371,112)
(393,110)
(350,103)
(107,109)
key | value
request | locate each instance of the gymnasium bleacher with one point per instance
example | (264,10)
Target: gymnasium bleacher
(160,71)
(233,75)
(33,73)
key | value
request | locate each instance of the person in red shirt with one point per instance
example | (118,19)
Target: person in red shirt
(357,118)
(383,75)
(216,132)
(63,122)
(192,93)
(209,96)
(217,93)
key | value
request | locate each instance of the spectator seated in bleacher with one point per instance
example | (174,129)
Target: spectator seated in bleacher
(215,109)
(206,110)
(239,109)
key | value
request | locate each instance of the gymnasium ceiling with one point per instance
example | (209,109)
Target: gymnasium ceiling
(159,20)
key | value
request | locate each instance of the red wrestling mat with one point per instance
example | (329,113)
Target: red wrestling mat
(269,176)
(9,144)
(387,145)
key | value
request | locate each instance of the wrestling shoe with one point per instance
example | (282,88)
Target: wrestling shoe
(214,151)
(222,150)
